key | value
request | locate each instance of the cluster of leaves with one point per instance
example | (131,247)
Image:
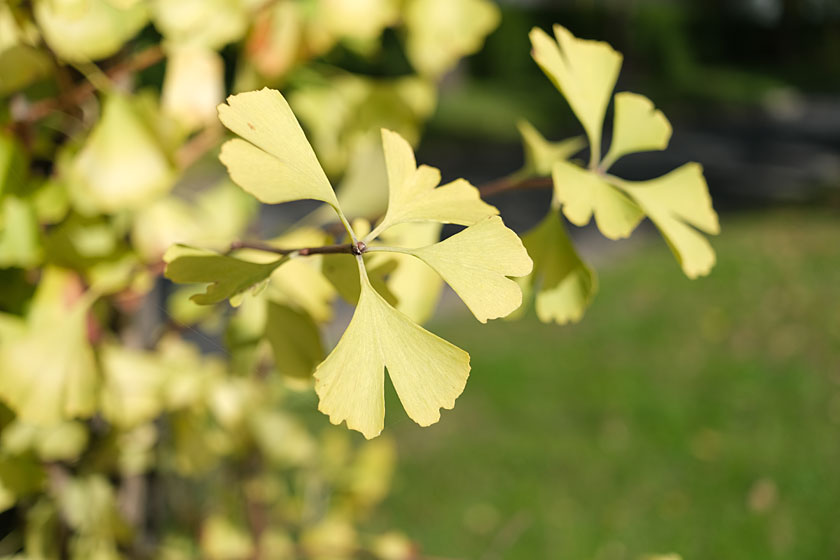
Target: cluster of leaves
(114,427)
(120,436)
(585,72)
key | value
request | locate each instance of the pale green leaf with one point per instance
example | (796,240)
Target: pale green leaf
(209,24)
(83,30)
(273,160)
(228,276)
(64,441)
(221,539)
(274,44)
(19,476)
(363,192)
(362,20)
(414,195)
(210,220)
(48,371)
(300,282)
(540,154)
(14,166)
(565,284)
(584,71)
(343,273)
(21,65)
(675,203)
(583,193)
(122,165)
(132,393)
(295,340)
(427,372)
(442,31)
(477,262)
(88,505)
(638,127)
(193,85)
(282,438)
(19,233)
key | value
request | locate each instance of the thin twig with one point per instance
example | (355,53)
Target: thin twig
(82,91)
(507,184)
(344,248)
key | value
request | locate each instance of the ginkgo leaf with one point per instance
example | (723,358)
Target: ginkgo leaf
(228,276)
(583,193)
(584,71)
(294,339)
(675,202)
(638,127)
(414,195)
(416,286)
(273,160)
(427,372)
(477,262)
(48,372)
(540,154)
(442,31)
(565,285)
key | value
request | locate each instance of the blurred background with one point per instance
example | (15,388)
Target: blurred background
(679,419)
(692,417)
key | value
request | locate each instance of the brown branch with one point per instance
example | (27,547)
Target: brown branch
(345,248)
(507,184)
(84,90)
(197,146)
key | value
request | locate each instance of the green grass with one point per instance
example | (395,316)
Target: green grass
(696,417)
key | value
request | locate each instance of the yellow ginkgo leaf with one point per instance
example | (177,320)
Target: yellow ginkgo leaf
(583,193)
(540,154)
(565,285)
(414,195)
(416,286)
(638,127)
(442,31)
(585,73)
(427,372)
(675,202)
(477,262)
(273,160)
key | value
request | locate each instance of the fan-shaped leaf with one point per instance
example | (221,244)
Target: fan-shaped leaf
(428,373)
(273,160)
(583,193)
(675,202)
(476,262)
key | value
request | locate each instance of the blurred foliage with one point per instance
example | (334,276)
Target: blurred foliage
(119,436)
(137,424)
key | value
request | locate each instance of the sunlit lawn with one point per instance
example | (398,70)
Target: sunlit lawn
(701,418)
